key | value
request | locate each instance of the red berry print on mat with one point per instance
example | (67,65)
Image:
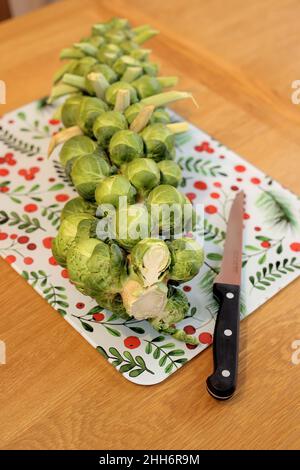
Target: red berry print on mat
(62,197)
(255,180)
(80,305)
(205,338)
(295,246)
(54,122)
(210,209)
(191,196)
(98,316)
(265,244)
(52,261)
(40,159)
(30,208)
(217,184)
(204,147)
(10,259)
(47,242)
(13,236)
(215,195)
(200,185)
(187,288)
(31,246)
(192,346)
(65,274)
(246,216)
(240,168)
(4,189)
(257,229)
(23,239)
(132,342)
(28,260)
(4,172)
(189,329)
(234,188)
(3,236)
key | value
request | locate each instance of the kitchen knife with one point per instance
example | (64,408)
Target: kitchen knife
(222,383)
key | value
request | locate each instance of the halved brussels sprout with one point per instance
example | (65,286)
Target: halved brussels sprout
(112,91)
(159,142)
(75,147)
(144,302)
(89,109)
(78,205)
(112,188)
(106,125)
(170,172)
(132,225)
(66,235)
(69,110)
(150,259)
(176,309)
(143,173)
(187,257)
(87,172)
(125,146)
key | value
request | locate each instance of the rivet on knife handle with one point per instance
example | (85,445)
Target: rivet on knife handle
(222,383)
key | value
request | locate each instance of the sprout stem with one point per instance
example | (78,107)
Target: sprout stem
(141,28)
(142,119)
(162,99)
(64,69)
(87,48)
(145,35)
(60,90)
(178,127)
(167,81)
(63,136)
(131,74)
(122,100)
(74,80)
(57,113)
(99,83)
(71,53)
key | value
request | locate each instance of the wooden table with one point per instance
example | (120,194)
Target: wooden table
(239,60)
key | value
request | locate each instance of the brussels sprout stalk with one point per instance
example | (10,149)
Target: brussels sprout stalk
(122,100)
(165,98)
(142,119)
(75,81)
(178,127)
(99,83)
(166,82)
(63,136)
(71,53)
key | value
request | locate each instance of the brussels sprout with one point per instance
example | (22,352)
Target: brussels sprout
(140,54)
(123,62)
(132,225)
(84,66)
(176,309)
(150,68)
(112,90)
(124,146)
(132,111)
(77,205)
(66,235)
(148,86)
(100,28)
(69,110)
(119,23)
(75,147)
(108,73)
(115,37)
(112,188)
(77,258)
(160,115)
(170,172)
(130,46)
(89,109)
(71,53)
(143,303)
(169,209)
(186,259)
(143,173)
(112,302)
(97,41)
(105,269)
(159,142)
(150,259)
(109,53)
(87,172)
(68,67)
(106,125)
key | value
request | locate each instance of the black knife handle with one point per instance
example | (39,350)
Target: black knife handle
(222,383)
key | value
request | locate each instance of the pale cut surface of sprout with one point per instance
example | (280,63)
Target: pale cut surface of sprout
(99,83)
(142,119)
(155,262)
(144,303)
(122,100)
(62,137)
(178,127)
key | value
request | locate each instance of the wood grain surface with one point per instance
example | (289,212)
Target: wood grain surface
(239,59)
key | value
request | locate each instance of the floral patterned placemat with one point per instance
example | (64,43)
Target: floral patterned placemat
(34,190)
